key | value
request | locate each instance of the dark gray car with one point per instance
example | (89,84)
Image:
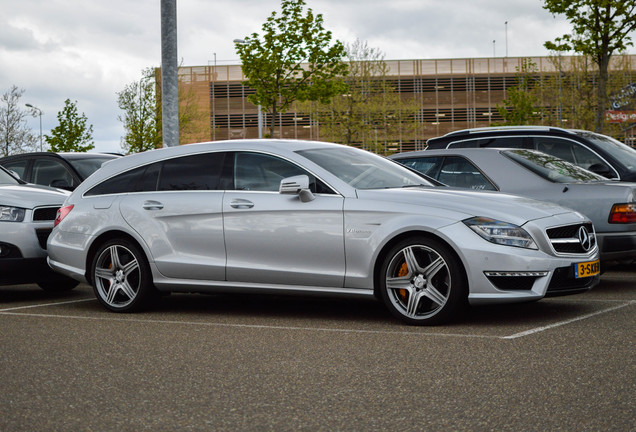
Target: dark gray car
(596,152)
(611,205)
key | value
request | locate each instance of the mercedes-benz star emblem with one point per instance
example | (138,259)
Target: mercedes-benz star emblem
(585,239)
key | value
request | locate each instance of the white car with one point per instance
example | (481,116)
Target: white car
(306,217)
(27,213)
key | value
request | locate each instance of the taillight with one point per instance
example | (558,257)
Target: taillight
(623,213)
(62,213)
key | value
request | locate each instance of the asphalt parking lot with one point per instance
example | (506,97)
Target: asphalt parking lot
(257,363)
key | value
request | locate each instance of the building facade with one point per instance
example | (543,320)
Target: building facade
(451,94)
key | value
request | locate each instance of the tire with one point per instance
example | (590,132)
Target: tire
(422,282)
(58,284)
(121,277)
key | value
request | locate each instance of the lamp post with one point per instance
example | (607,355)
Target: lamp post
(40,113)
(260,112)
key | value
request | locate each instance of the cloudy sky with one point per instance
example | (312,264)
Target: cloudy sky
(89,50)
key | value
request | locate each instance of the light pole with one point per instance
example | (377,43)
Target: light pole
(40,113)
(260,111)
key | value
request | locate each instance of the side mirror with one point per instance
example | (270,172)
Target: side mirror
(600,169)
(297,185)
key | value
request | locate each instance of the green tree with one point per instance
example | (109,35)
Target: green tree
(294,60)
(600,29)
(371,113)
(15,133)
(521,104)
(71,134)
(141,117)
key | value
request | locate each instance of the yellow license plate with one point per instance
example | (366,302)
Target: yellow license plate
(587,269)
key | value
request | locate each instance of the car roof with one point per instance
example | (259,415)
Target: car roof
(63,155)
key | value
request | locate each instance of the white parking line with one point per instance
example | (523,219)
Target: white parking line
(249,326)
(10,311)
(570,321)
(45,304)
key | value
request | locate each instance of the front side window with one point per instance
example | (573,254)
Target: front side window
(46,172)
(555,147)
(262,172)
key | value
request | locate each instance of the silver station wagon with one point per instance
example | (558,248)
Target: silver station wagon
(284,216)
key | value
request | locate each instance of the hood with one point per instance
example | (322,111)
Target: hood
(509,208)
(30,196)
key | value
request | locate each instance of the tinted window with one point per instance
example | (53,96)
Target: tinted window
(261,172)
(555,147)
(45,172)
(136,180)
(17,166)
(194,172)
(459,172)
(87,166)
(426,165)
(504,142)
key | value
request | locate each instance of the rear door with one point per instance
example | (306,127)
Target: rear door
(182,222)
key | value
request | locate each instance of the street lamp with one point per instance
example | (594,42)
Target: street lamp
(260,109)
(40,113)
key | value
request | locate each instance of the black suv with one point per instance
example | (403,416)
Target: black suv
(598,153)
(60,170)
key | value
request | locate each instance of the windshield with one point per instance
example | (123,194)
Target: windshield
(6,178)
(621,152)
(87,166)
(363,170)
(552,168)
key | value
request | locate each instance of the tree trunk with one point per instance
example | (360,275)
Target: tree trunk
(603,65)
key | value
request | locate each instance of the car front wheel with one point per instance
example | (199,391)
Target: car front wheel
(121,276)
(422,282)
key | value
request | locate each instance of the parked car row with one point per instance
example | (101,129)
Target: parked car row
(306,217)
(609,204)
(27,213)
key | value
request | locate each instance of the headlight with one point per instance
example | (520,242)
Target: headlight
(11,214)
(502,233)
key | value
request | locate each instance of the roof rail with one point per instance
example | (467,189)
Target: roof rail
(505,128)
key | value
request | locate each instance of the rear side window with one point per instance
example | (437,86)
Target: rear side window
(426,165)
(194,172)
(459,172)
(140,179)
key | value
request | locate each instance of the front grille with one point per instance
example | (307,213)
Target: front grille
(565,239)
(43,236)
(563,282)
(45,213)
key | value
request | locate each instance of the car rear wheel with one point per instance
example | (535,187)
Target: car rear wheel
(422,282)
(121,276)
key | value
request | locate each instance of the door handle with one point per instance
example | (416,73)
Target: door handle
(152,205)
(241,204)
